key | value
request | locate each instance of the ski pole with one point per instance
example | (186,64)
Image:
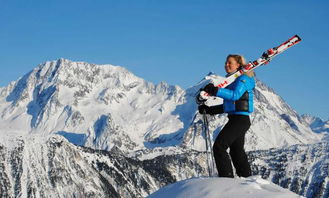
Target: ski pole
(210,147)
(210,161)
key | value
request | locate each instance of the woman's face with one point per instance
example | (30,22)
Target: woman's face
(231,65)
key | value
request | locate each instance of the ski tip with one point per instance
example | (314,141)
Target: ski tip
(299,39)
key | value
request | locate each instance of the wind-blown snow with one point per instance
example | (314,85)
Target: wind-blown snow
(251,187)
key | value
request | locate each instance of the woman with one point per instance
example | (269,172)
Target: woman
(238,103)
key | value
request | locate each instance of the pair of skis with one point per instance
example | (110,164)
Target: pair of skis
(266,57)
(203,96)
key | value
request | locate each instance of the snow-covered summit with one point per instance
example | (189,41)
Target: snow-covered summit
(251,187)
(94,105)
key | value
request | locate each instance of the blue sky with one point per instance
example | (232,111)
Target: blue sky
(178,42)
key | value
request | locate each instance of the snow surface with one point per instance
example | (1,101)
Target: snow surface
(251,187)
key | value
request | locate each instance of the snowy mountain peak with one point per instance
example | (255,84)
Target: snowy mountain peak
(91,104)
(82,72)
(103,106)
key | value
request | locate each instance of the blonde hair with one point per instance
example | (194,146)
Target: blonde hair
(241,61)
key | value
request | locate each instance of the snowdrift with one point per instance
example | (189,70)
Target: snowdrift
(251,187)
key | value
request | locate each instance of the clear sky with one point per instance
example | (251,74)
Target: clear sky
(176,41)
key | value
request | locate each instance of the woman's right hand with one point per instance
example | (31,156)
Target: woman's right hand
(211,89)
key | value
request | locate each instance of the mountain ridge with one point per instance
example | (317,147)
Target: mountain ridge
(36,166)
(91,105)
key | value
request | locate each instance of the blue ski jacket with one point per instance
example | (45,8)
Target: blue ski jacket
(238,96)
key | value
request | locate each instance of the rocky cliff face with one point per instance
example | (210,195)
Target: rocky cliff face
(52,167)
(303,169)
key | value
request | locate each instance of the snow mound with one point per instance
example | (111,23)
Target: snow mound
(251,187)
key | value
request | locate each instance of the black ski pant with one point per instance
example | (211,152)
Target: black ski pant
(232,136)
